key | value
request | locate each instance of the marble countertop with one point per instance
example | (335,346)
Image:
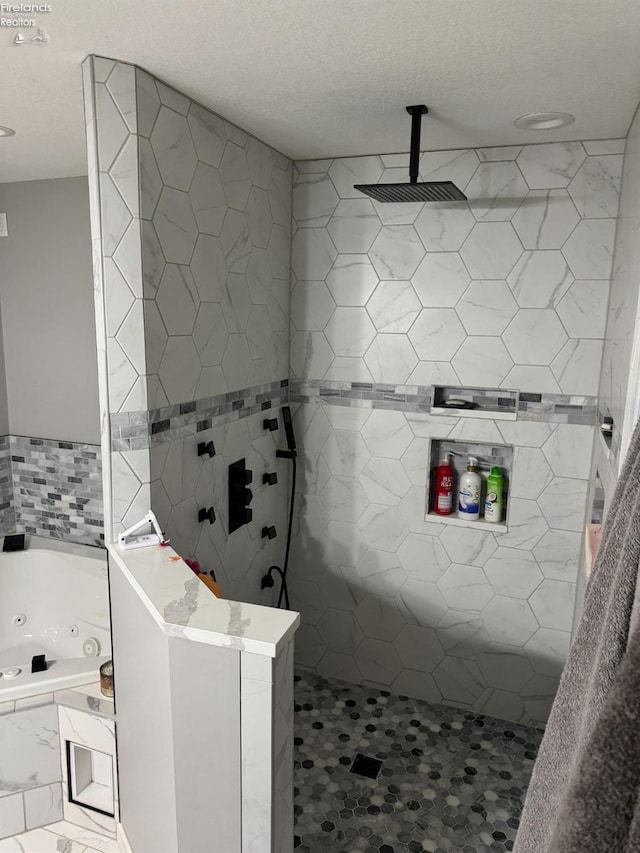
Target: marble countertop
(184,607)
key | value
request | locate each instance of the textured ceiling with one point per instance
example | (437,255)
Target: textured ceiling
(320,78)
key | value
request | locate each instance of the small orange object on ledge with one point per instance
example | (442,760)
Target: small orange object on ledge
(213,585)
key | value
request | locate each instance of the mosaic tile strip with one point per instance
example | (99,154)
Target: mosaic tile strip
(551,408)
(139,430)
(449,780)
(57,489)
(401,398)
(7,512)
(557,408)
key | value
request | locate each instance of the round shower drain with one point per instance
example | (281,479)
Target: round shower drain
(19,619)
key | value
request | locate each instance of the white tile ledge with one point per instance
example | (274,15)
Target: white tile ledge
(481,414)
(184,607)
(481,523)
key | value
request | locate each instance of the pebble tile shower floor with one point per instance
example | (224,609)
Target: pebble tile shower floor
(449,779)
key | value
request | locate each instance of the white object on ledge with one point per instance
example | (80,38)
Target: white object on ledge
(128,539)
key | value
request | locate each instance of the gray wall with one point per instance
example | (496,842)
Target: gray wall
(4,414)
(47,311)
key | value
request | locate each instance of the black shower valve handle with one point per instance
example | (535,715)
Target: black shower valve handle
(271,424)
(286,454)
(244,477)
(270,479)
(207,514)
(269,532)
(206,447)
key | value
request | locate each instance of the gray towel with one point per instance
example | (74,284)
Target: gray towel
(583,796)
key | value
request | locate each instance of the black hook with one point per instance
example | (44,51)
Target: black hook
(205,514)
(270,479)
(206,448)
(269,532)
(270,423)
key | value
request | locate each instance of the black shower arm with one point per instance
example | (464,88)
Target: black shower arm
(416,114)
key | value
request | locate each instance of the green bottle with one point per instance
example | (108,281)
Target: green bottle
(494,501)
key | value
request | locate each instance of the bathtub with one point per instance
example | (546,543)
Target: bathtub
(54,600)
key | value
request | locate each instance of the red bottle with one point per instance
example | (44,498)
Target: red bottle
(443,504)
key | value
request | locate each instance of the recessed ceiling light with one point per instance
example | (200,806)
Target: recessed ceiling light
(544,121)
(6,131)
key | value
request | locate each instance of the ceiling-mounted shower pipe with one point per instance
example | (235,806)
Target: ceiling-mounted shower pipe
(414,191)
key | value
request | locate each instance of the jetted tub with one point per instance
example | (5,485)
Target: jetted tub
(54,600)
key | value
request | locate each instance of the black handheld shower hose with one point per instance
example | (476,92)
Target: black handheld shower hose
(291,453)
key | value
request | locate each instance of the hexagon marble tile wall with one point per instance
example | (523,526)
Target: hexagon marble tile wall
(194,232)
(508,291)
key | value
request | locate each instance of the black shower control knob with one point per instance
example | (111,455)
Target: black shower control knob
(247,514)
(269,532)
(246,477)
(207,447)
(271,424)
(270,479)
(207,515)
(247,496)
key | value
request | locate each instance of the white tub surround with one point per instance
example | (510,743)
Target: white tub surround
(30,772)
(218,675)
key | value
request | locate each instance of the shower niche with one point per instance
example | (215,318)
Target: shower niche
(488,456)
(484,403)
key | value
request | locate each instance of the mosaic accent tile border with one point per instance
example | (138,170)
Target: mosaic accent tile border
(557,408)
(140,430)
(7,512)
(57,489)
(551,408)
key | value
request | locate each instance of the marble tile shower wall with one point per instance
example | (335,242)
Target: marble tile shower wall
(509,291)
(216,208)
(195,244)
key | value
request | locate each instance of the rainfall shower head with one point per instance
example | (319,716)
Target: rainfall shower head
(414,191)
(430,191)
